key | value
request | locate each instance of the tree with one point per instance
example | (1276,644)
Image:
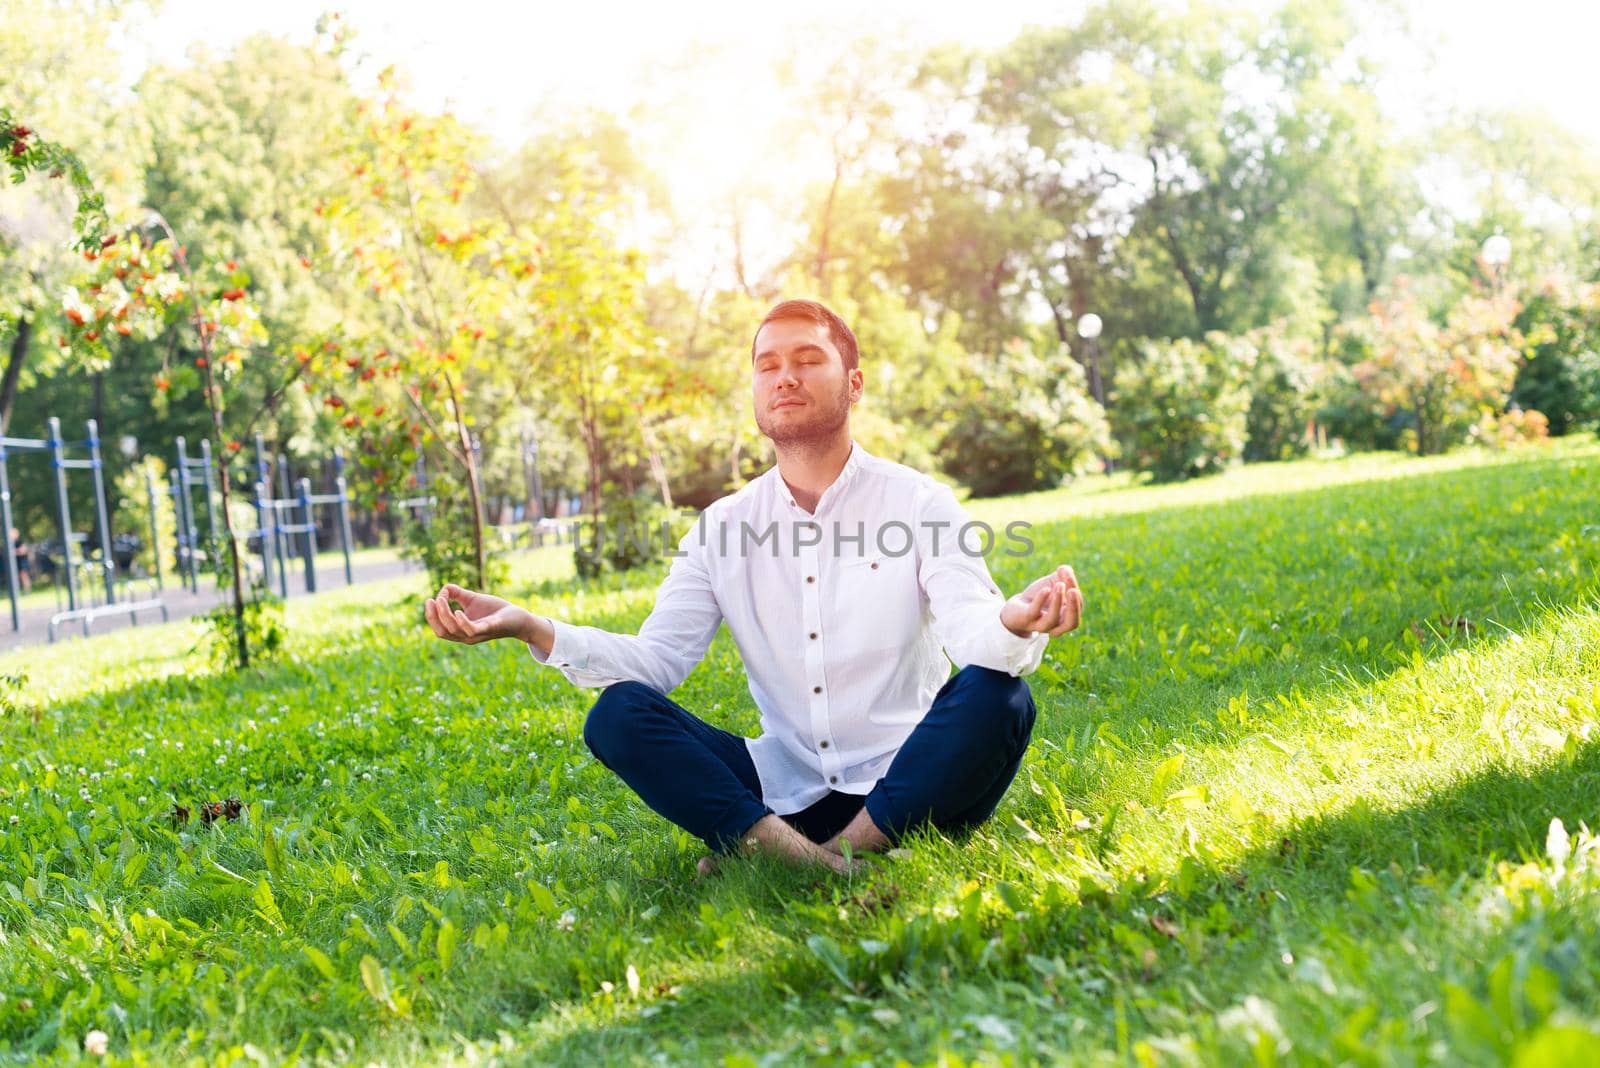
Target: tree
(149,290)
(436,297)
(55,86)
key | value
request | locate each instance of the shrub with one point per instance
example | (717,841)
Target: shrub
(1021,422)
(1510,428)
(1183,406)
(1285,387)
(633,530)
(440,538)
(1445,377)
(1561,377)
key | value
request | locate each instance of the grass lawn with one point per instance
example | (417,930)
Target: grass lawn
(1289,800)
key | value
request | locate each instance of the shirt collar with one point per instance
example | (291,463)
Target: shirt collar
(852,464)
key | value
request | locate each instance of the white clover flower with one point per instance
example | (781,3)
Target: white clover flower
(568,920)
(327,782)
(96,1043)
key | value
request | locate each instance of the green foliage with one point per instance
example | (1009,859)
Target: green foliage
(1284,395)
(1561,376)
(1022,421)
(1443,377)
(25,153)
(263,628)
(133,504)
(1182,407)
(443,539)
(1266,811)
(634,530)
(261,618)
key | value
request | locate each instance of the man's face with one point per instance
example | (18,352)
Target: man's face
(802,392)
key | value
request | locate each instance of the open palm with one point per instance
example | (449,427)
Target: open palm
(1052,604)
(482,617)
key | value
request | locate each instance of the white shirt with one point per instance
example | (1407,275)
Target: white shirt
(840,635)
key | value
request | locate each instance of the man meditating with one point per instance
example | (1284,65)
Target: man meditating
(845,580)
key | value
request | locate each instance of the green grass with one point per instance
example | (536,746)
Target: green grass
(1288,802)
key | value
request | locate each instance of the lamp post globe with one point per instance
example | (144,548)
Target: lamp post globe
(1089,326)
(1497,250)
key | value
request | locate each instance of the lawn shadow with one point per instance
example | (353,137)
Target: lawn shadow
(1425,860)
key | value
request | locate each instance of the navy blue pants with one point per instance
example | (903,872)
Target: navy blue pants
(950,773)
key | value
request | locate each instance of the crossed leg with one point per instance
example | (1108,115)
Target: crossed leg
(950,773)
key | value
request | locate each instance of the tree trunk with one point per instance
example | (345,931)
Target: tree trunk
(8,385)
(658,469)
(220,458)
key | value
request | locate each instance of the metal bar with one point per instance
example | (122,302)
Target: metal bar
(63,512)
(310,546)
(11,549)
(102,513)
(343,509)
(265,522)
(213,553)
(25,444)
(264,515)
(185,517)
(89,615)
(155,531)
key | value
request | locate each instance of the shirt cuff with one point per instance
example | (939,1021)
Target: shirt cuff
(1020,655)
(567,648)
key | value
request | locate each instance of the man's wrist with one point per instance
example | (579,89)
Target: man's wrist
(540,633)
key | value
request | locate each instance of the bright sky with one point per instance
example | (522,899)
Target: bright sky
(498,63)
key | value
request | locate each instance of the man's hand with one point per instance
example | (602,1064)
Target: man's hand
(480,618)
(1052,605)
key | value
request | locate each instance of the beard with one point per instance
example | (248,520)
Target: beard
(824,418)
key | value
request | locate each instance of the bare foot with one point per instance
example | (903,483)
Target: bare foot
(862,835)
(707,866)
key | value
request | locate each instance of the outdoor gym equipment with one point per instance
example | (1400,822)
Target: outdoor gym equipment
(60,464)
(186,474)
(276,533)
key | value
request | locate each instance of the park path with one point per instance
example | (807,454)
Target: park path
(181,604)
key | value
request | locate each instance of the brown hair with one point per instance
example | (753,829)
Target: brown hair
(822,315)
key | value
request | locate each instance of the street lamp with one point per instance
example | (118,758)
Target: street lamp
(1089,326)
(1496,254)
(129,445)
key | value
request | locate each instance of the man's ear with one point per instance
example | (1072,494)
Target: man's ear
(857,384)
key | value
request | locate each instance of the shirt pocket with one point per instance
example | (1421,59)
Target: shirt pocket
(877,602)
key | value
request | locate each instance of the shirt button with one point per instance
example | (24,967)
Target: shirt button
(811,578)
(813,635)
(824,743)
(816,689)
(874,565)
(833,778)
